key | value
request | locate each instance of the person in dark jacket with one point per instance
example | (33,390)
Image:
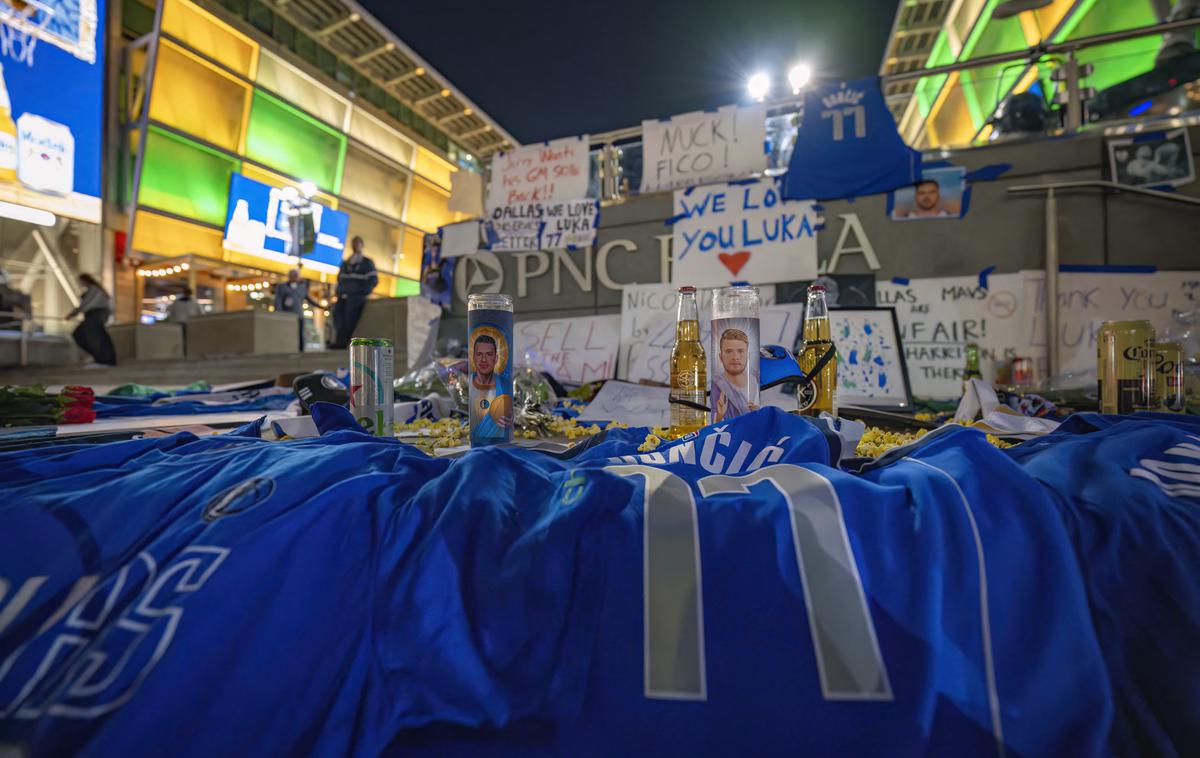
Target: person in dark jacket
(356,279)
(91,336)
(290,297)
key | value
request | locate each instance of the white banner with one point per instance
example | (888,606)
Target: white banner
(421,329)
(939,316)
(556,170)
(648,313)
(460,239)
(572,350)
(543,226)
(1088,299)
(742,232)
(701,147)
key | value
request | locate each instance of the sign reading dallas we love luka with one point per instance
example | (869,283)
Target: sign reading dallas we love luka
(742,232)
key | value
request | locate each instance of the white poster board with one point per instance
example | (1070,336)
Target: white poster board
(648,327)
(633,404)
(742,232)
(572,350)
(696,148)
(460,239)
(421,329)
(870,362)
(556,170)
(466,193)
(557,224)
(1087,299)
(939,316)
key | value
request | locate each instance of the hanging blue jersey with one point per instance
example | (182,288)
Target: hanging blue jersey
(1128,490)
(729,593)
(848,146)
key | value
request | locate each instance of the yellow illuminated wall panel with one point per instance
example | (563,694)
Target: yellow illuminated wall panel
(171,237)
(410,252)
(381,241)
(251,171)
(374,133)
(373,184)
(427,207)
(202,31)
(432,167)
(951,123)
(299,88)
(196,97)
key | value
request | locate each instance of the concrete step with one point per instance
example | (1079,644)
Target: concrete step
(167,374)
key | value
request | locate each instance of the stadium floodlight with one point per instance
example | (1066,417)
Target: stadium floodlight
(798,76)
(308,189)
(759,85)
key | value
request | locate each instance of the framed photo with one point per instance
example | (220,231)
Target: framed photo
(1153,158)
(939,195)
(871,368)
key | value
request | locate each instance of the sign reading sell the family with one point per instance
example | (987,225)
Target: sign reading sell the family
(543,226)
(538,198)
(695,148)
(742,232)
(572,350)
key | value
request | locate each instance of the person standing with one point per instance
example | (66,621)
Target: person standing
(91,336)
(356,280)
(290,297)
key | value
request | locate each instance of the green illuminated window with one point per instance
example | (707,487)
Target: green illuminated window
(185,178)
(293,142)
(406,287)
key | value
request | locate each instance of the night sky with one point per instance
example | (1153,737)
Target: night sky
(553,69)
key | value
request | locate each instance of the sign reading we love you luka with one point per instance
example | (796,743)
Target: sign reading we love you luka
(742,232)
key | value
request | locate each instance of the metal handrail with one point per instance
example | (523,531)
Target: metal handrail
(1102,184)
(1051,281)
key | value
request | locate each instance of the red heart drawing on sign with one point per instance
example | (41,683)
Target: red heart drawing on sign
(735,261)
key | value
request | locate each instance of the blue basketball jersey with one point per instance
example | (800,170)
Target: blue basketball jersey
(729,593)
(1128,491)
(848,146)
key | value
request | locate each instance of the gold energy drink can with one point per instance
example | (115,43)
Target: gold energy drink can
(1125,366)
(1168,376)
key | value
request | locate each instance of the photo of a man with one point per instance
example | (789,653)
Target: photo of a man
(730,387)
(485,382)
(1154,158)
(938,195)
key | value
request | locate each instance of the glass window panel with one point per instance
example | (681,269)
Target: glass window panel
(432,167)
(371,131)
(406,288)
(202,31)
(376,185)
(301,89)
(427,207)
(185,178)
(285,138)
(169,237)
(412,246)
(381,241)
(251,171)
(195,96)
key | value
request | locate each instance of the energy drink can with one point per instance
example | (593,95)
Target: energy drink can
(489,350)
(372,363)
(1168,376)
(1125,366)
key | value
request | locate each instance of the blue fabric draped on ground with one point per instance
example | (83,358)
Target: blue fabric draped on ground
(730,593)
(113,406)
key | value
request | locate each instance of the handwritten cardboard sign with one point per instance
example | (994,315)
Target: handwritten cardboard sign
(556,170)
(543,226)
(742,232)
(702,147)
(1087,299)
(460,239)
(572,350)
(633,404)
(648,327)
(939,316)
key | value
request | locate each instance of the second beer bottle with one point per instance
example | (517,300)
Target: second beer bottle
(821,393)
(689,369)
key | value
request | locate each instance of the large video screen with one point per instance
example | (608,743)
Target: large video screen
(52,105)
(257,225)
